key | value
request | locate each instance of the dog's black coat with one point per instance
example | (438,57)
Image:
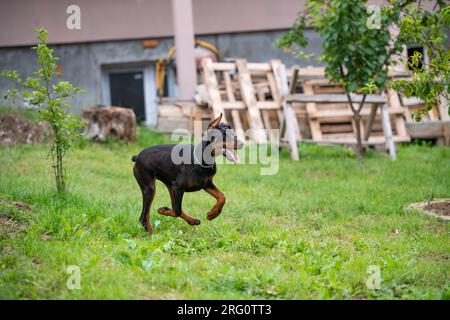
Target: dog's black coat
(156,163)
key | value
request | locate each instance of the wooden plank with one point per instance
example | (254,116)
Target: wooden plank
(273,87)
(311,73)
(294,81)
(397,73)
(230,105)
(406,111)
(239,105)
(311,108)
(234,113)
(352,141)
(320,82)
(411,101)
(446,133)
(263,67)
(277,98)
(223,66)
(210,79)
(328,89)
(229,66)
(370,121)
(333,98)
(339,113)
(268,105)
(387,129)
(261,85)
(433,114)
(279,72)
(443,108)
(248,95)
(266,120)
(394,103)
(426,130)
(260,92)
(336,127)
(228,86)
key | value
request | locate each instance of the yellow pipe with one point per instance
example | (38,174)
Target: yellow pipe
(161,65)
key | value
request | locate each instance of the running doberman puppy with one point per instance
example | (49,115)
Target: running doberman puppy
(185,168)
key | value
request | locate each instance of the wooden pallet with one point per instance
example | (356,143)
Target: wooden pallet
(330,119)
(434,125)
(377,102)
(176,114)
(252,94)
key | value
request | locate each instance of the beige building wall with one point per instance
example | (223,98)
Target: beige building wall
(103,20)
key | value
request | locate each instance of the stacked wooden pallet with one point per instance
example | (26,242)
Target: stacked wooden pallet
(175,114)
(434,125)
(333,121)
(250,96)
(257,96)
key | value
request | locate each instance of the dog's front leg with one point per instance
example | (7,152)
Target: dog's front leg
(216,193)
(176,198)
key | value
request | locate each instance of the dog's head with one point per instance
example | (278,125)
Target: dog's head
(223,139)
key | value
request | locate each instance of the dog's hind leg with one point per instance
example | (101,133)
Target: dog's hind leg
(147,185)
(171,213)
(216,193)
(148,193)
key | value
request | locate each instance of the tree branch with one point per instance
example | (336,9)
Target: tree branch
(362,102)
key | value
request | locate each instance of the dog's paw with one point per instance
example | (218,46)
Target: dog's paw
(163,210)
(147,228)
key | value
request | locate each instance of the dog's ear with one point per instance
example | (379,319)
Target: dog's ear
(215,122)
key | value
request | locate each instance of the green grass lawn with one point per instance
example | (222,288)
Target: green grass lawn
(311,231)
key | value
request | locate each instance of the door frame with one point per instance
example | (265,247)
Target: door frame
(150,99)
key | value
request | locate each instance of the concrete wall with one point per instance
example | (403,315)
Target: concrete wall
(81,63)
(258,46)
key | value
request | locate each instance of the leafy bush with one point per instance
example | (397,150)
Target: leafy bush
(50,99)
(430,78)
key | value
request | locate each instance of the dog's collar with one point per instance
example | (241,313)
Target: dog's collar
(200,163)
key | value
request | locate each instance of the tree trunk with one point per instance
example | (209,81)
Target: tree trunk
(59,171)
(359,147)
(357,118)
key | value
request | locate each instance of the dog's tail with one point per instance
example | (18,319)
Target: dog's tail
(133,158)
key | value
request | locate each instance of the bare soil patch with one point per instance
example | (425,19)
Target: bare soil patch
(10,224)
(437,208)
(440,208)
(19,204)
